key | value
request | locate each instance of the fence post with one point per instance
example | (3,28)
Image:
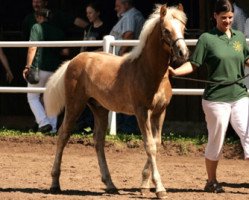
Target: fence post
(107,47)
(112,125)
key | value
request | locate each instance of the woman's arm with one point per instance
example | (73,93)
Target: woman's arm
(184,69)
(30,58)
(247,63)
(4,60)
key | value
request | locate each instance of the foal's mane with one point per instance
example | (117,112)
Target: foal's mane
(154,18)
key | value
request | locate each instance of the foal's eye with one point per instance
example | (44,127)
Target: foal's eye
(166,31)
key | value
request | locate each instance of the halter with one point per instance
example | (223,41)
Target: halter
(167,39)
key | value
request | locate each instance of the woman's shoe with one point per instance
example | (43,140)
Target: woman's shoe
(213,187)
(45,129)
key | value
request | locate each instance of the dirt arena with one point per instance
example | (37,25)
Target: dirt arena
(26,163)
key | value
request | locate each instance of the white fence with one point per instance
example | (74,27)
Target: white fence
(108,42)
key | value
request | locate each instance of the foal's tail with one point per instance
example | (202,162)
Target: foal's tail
(54,95)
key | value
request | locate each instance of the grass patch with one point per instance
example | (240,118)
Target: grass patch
(172,143)
(123,137)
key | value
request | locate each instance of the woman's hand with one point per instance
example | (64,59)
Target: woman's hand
(183,70)
(25,71)
(171,71)
(9,76)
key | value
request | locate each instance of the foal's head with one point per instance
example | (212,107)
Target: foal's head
(172,22)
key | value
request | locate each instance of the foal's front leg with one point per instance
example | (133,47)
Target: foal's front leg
(150,144)
(146,177)
(156,126)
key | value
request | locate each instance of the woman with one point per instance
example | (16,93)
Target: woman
(224,51)
(97,29)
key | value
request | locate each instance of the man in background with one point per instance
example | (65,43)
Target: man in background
(129,25)
(47,60)
(61,19)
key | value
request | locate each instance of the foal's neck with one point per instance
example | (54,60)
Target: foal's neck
(156,57)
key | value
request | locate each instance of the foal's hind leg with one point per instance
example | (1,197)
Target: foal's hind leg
(72,111)
(100,128)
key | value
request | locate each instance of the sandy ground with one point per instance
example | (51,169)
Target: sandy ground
(25,165)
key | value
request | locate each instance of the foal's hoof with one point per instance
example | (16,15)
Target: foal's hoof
(112,191)
(55,190)
(145,191)
(161,195)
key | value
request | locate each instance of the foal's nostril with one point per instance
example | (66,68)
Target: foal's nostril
(181,54)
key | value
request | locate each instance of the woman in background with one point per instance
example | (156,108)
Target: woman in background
(96,30)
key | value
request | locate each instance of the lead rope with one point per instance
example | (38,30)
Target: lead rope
(211,82)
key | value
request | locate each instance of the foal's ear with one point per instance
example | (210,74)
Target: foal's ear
(163,11)
(180,7)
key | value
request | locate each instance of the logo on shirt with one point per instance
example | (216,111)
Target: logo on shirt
(237,46)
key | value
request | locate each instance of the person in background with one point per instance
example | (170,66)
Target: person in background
(225,53)
(129,25)
(240,17)
(47,60)
(241,23)
(96,30)
(5,63)
(61,19)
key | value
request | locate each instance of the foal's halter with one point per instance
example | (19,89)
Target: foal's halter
(167,39)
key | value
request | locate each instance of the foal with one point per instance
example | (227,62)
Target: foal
(135,84)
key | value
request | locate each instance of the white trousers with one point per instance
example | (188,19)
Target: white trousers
(36,105)
(218,115)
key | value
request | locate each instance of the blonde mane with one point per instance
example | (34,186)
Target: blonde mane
(172,12)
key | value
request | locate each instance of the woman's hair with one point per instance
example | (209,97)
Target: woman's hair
(95,5)
(223,6)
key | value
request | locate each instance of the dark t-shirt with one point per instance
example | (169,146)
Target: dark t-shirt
(92,33)
(46,58)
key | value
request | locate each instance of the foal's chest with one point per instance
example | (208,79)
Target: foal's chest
(163,95)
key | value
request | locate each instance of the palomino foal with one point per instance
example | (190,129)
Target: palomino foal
(135,84)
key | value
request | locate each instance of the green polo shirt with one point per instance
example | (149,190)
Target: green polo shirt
(225,60)
(46,58)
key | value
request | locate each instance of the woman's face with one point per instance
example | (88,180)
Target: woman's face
(91,14)
(224,20)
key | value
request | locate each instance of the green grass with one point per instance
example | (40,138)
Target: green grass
(122,137)
(182,145)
